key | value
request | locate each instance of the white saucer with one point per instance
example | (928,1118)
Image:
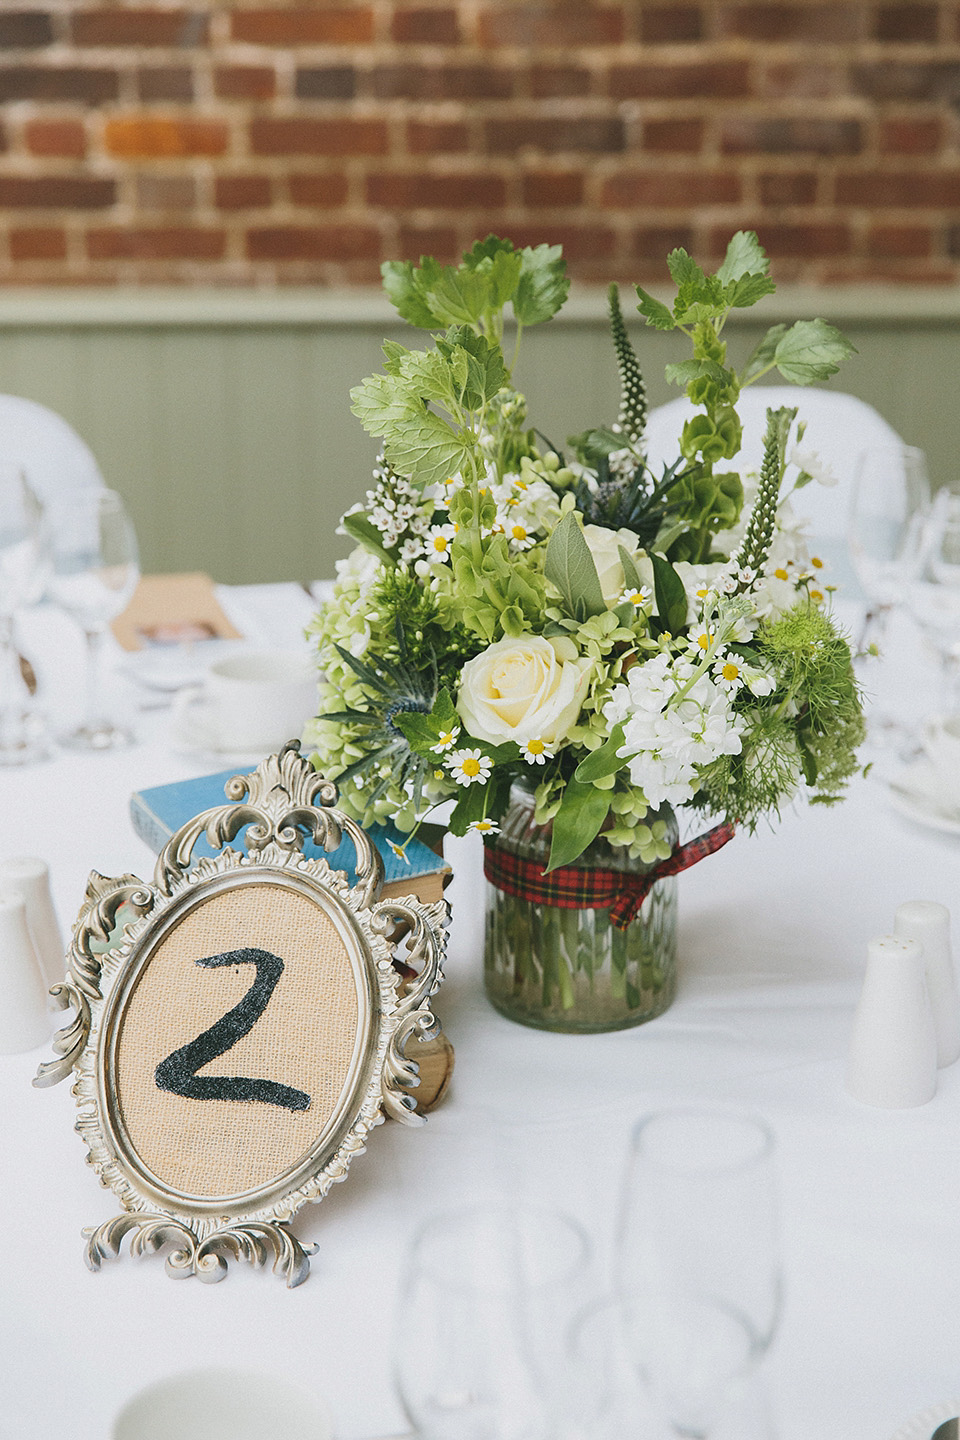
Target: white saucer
(914,792)
(169,668)
(922,1426)
(189,736)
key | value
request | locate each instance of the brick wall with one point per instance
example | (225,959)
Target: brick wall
(305,142)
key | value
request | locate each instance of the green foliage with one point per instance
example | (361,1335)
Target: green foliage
(571,568)
(755,545)
(632,416)
(578,821)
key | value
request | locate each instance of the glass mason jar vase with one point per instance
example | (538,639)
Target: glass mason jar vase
(573,969)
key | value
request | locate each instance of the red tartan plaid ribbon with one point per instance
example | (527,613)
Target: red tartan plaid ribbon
(571,887)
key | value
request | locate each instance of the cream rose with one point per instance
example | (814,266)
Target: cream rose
(603,545)
(521,690)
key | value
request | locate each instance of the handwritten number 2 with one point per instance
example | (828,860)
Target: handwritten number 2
(178,1073)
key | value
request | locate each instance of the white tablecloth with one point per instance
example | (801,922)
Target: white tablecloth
(772,942)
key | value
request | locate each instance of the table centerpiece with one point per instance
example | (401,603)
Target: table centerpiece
(575,650)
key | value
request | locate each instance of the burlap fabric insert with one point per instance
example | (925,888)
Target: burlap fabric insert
(304,1038)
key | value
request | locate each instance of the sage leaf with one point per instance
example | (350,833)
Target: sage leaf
(569,565)
(578,822)
(630,572)
(670,595)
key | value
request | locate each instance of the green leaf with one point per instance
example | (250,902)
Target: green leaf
(745,256)
(605,761)
(577,823)
(468,808)
(686,370)
(543,284)
(684,270)
(419,730)
(425,449)
(762,357)
(631,574)
(570,566)
(458,297)
(483,370)
(482,250)
(591,444)
(359,528)
(670,595)
(654,311)
(811,350)
(748,290)
(406,287)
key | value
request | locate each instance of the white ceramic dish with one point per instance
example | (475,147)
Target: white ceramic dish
(922,1426)
(222,1405)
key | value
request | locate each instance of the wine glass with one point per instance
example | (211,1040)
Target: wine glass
(933,595)
(21,583)
(889,499)
(698,1259)
(486,1298)
(94,569)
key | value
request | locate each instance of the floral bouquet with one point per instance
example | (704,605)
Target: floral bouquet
(566,630)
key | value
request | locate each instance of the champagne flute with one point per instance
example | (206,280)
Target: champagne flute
(485,1301)
(889,499)
(94,569)
(21,583)
(699,1264)
(933,595)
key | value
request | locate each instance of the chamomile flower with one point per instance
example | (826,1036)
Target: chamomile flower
(728,674)
(536,751)
(399,851)
(637,597)
(518,535)
(446,739)
(437,544)
(484,827)
(470,766)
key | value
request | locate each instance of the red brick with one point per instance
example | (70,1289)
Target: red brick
(820,24)
(550,81)
(906,22)
(892,242)
(26,30)
(436,192)
(679,189)
(934,80)
(788,188)
(569,23)
(953,240)
(334,242)
(38,243)
(709,80)
(506,137)
(442,82)
(141,136)
(324,25)
(781,137)
(801,80)
(57,192)
(166,192)
(173,243)
(911,136)
(167,82)
(793,241)
(318,137)
(414,241)
(673,135)
(245,82)
(436,137)
(330,82)
(242,192)
(671,24)
(321,190)
(66,82)
(654,242)
(423,25)
(580,242)
(56,137)
(139,27)
(553,188)
(929,188)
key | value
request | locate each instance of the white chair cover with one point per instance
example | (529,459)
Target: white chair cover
(839,426)
(49,451)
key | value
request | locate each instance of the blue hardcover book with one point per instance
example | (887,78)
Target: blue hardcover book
(160,811)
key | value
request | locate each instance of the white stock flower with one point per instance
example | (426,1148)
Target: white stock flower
(518,689)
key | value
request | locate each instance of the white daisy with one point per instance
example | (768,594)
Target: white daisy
(446,740)
(470,766)
(439,539)
(484,827)
(536,751)
(399,851)
(636,597)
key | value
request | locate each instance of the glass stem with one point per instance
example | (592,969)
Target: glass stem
(93,717)
(949,684)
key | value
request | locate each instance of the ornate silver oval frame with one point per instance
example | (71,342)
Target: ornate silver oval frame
(125,925)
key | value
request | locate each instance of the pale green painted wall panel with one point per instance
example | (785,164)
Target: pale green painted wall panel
(237,452)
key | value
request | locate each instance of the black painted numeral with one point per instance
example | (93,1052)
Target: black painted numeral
(178,1073)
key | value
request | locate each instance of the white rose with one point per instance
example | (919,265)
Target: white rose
(603,546)
(521,690)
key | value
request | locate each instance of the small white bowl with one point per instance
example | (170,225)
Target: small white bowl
(222,1404)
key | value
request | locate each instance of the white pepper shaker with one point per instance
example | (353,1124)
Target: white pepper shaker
(29,876)
(892,1061)
(24,1023)
(929,922)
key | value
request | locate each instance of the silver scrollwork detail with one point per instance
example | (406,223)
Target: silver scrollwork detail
(192,1255)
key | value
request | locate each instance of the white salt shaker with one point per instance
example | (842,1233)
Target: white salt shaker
(929,922)
(28,876)
(24,1023)
(892,1062)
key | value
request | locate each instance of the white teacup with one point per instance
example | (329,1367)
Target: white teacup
(252,700)
(222,1405)
(941,742)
